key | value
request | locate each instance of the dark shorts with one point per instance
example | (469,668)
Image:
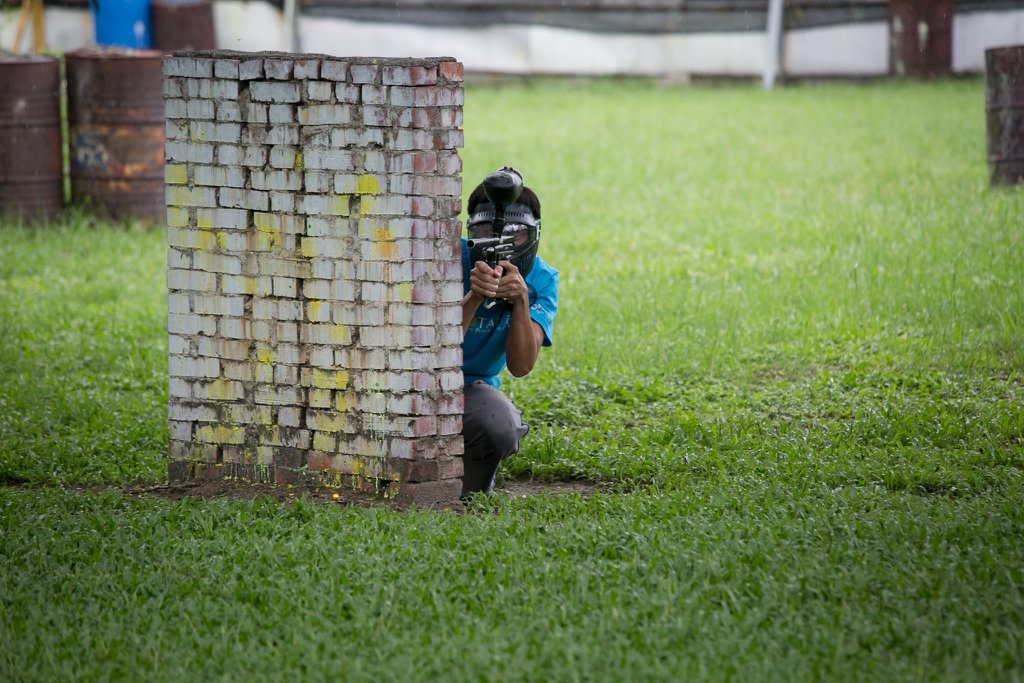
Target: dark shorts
(491,429)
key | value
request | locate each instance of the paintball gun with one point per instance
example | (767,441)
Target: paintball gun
(494,249)
(502,188)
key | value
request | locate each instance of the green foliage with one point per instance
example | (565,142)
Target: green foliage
(790,347)
(83,382)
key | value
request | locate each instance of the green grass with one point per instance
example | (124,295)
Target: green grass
(791,343)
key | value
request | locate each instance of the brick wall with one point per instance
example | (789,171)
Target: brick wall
(313,270)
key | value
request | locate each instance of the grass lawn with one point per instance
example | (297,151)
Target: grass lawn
(790,345)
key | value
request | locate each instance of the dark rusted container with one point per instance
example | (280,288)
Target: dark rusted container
(1004,113)
(182,25)
(116,130)
(921,38)
(31,183)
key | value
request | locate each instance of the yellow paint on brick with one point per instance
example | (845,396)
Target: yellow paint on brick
(330,379)
(264,353)
(205,218)
(270,435)
(221,390)
(177,217)
(339,205)
(385,246)
(300,164)
(267,240)
(367,184)
(343,401)
(175,174)
(264,416)
(340,335)
(307,248)
(324,442)
(222,240)
(263,221)
(207,240)
(220,434)
(403,291)
(314,309)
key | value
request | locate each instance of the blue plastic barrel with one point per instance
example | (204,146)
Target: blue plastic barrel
(123,23)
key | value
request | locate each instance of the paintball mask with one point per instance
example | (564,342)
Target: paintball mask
(503,216)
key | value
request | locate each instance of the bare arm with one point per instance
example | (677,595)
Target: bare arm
(525,337)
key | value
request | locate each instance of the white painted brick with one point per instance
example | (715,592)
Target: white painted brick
(226,349)
(226,219)
(183,366)
(178,345)
(282,201)
(191,412)
(235,328)
(215,132)
(276,180)
(267,91)
(226,68)
(174,88)
(325,115)
(255,200)
(424,315)
(319,90)
(319,182)
(191,324)
(224,90)
(354,137)
(321,356)
(189,151)
(289,417)
(194,280)
(175,109)
(212,304)
(273,395)
(178,302)
(278,69)
(178,259)
(282,156)
(230,176)
(316,289)
(200,109)
(229,111)
(323,159)
(348,93)
(188,67)
(289,310)
(289,353)
(179,388)
(322,246)
(264,309)
(180,431)
(281,113)
(283,134)
(285,286)
(286,374)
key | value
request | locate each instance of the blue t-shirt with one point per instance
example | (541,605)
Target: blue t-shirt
(483,347)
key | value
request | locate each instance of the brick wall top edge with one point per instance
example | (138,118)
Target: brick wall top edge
(243,56)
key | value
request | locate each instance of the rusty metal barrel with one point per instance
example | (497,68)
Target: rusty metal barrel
(31,182)
(116,131)
(1004,113)
(182,25)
